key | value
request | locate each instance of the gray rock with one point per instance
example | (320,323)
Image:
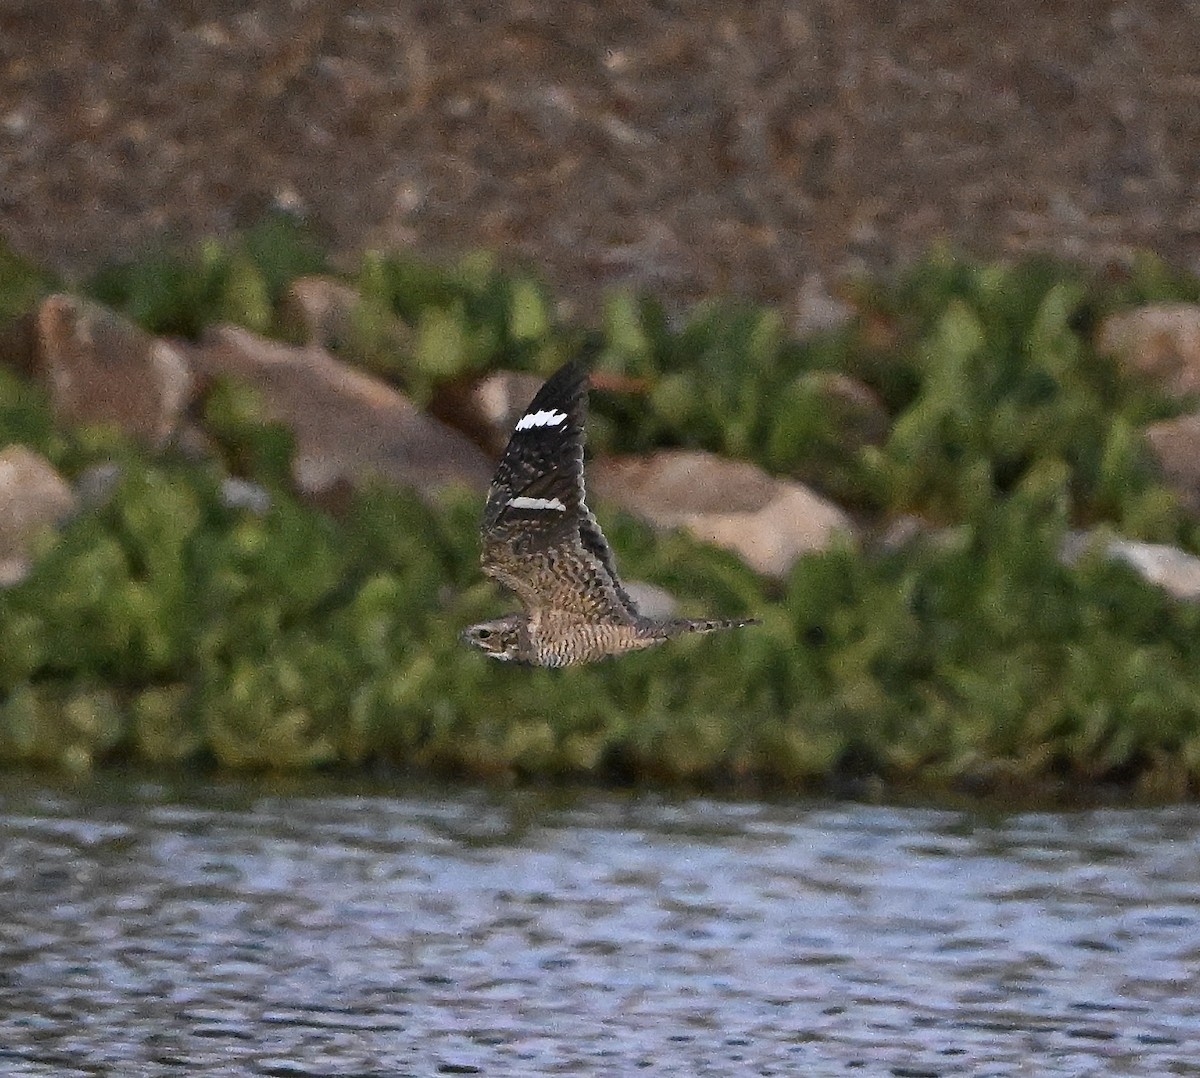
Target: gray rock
(242,494)
(349,426)
(1175,571)
(101,368)
(33,499)
(815,309)
(767,522)
(902,531)
(96,485)
(1161,341)
(1175,444)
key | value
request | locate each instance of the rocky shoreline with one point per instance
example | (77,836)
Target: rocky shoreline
(353,429)
(966,518)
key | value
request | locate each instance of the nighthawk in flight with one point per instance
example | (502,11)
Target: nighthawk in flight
(541,541)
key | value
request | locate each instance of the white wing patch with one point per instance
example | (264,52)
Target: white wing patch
(549,418)
(522,502)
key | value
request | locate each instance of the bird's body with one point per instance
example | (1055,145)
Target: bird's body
(541,541)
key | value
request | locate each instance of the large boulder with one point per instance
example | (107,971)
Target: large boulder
(349,426)
(101,368)
(1161,341)
(1176,446)
(767,522)
(487,409)
(33,499)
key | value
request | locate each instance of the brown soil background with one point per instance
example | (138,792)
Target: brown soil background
(762,149)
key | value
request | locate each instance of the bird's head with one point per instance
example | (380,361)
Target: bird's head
(499,639)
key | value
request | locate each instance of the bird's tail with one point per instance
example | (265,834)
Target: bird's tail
(683,626)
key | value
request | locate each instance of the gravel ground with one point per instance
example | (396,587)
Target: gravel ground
(763,149)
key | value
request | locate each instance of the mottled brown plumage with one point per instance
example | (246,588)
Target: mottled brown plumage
(542,542)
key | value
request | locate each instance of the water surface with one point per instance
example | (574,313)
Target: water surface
(324,930)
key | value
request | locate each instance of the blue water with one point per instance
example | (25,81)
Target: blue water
(327,930)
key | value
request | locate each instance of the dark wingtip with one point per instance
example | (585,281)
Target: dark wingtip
(730,623)
(566,384)
(577,368)
(706,625)
(739,623)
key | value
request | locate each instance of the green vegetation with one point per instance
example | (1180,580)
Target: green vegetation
(165,626)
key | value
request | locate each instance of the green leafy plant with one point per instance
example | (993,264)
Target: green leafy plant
(167,625)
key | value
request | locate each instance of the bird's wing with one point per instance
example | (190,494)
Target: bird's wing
(539,537)
(595,544)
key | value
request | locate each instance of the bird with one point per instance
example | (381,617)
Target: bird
(540,540)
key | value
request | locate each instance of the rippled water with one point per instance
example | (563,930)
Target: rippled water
(243,930)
